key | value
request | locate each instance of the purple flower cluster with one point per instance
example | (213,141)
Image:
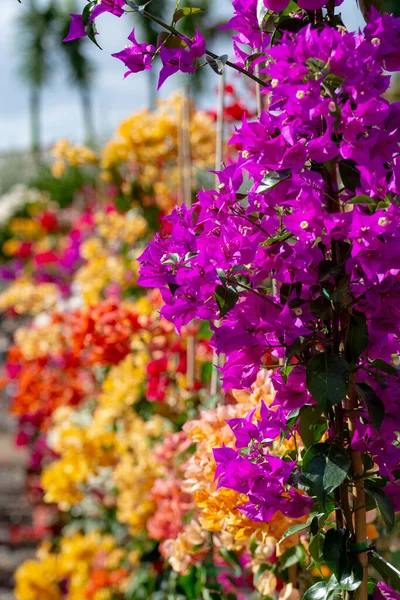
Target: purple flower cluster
(253,470)
(295,254)
(324,106)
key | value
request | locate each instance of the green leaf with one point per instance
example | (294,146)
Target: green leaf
(324,468)
(383,502)
(253,57)
(285,372)
(316,546)
(186,11)
(286,291)
(91,33)
(327,377)
(187,583)
(217,64)
(352,575)
(87,11)
(226,298)
(321,308)
(349,174)
(357,336)
(293,529)
(204,332)
(334,551)
(206,371)
(272,179)
(382,365)
(292,556)
(136,7)
(231,558)
(374,404)
(262,13)
(164,38)
(311,425)
(384,568)
(327,269)
(361,199)
(322,590)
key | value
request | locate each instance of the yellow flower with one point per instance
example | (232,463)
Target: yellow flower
(38,579)
(27,297)
(67,154)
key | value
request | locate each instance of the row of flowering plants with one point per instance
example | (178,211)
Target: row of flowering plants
(120,436)
(286,276)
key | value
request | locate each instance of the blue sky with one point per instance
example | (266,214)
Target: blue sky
(114,97)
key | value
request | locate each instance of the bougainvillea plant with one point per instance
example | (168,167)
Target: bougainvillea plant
(295,256)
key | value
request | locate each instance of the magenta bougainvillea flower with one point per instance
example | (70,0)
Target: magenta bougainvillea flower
(76,30)
(115,7)
(77,27)
(181,59)
(137,56)
(385,592)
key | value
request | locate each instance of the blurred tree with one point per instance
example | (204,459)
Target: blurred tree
(37,27)
(80,68)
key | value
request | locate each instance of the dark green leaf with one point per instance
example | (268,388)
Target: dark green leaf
(287,289)
(91,32)
(173,287)
(87,11)
(226,298)
(334,551)
(272,179)
(289,24)
(352,574)
(374,404)
(324,468)
(312,425)
(321,308)
(349,174)
(357,336)
(382,365)
(327,269)
(383,502)
(314,526)
(327,377)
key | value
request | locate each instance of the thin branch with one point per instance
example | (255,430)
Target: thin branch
(230,64)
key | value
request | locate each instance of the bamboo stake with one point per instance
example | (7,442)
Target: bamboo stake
(184,156)
(219,140)
(259,98)
(359,507)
